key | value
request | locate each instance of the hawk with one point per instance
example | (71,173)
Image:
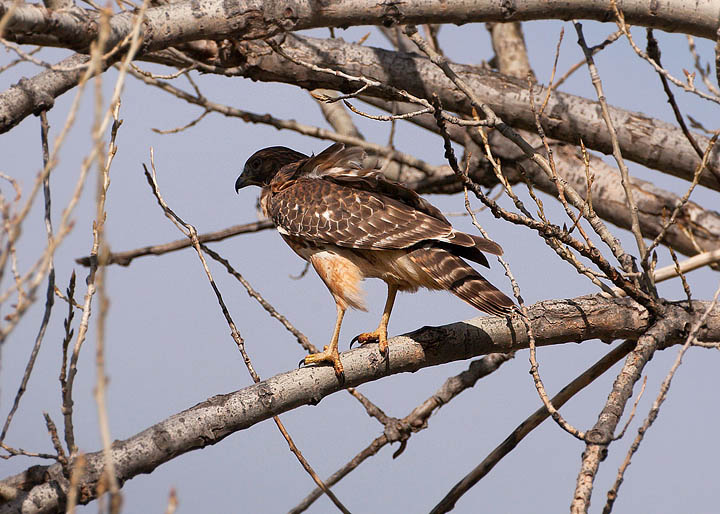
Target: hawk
(351,223)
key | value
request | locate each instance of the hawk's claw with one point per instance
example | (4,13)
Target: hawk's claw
(328,355)
(378,336)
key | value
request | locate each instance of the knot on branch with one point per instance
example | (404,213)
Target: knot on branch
(397,430)
(598,436)
(290,19)
(391,15)
(508,8)
(41,99)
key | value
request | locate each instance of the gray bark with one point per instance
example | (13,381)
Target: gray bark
(180,22)
(553,322)
(647,141)
(642,139)
(30,96)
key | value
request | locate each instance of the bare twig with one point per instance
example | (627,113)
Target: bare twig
(50,296)
(100,250)
(704,71)
(534,368)
(545,229)
(14,452)
(12,63)
(624,173)
(77,471)
(332,99)
(554,243)
(683,201)
(683,280)
(600,436)
(398,93)
(171,76)
(172,502)
(308,130)
(392,117)
(690,264)
(654,53)
(83,327)
(301,338)
(66,394)
(37,272)
(687,86)
(125,258)
(595,49)
(632,411)
(552,73)
(52,431)
(560,187)
(177,130)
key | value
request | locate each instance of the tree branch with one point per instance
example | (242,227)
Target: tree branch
(30,96)
(697,228)
(177,22)
(600,436)
(125,258)
(647,141)
(554,322)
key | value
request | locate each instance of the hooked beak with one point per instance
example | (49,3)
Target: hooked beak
(240,183)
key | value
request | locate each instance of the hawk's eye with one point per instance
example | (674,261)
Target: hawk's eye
(255,163)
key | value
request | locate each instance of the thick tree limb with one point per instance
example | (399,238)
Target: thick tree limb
(180,22)
(554,322)
(30,96)
(647,141)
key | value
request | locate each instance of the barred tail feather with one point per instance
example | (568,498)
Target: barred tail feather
(454,274)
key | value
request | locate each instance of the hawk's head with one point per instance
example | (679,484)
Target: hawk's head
(264,164)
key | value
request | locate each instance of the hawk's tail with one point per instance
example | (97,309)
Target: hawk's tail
(454,274)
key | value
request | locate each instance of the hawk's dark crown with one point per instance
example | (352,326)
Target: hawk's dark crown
(264,164)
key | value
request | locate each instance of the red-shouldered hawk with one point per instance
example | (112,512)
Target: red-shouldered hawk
(351,223)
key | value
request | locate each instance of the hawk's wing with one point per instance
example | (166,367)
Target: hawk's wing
(324,211)
(344,166)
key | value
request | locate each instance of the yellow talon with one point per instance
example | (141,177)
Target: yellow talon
(378,335)
(327,356)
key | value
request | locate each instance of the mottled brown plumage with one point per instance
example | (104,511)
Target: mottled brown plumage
(351,223)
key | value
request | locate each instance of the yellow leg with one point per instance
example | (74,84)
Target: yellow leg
(380,334)
(330,353)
